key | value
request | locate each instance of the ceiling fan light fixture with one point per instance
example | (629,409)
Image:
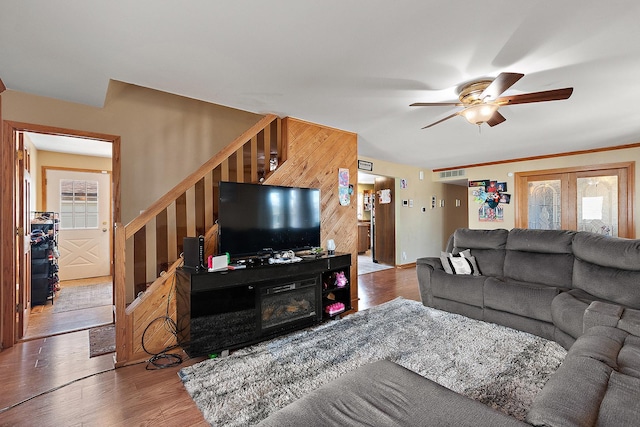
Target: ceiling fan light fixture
(479,113)
(481,99)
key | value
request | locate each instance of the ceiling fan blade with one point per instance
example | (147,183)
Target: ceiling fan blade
(441,120)
(435,104)
(501,83)
(496,119)
(547,95)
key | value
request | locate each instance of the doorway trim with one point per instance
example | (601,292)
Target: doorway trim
(627,198)
(8,206)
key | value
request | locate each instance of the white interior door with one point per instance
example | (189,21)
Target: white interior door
(83,200)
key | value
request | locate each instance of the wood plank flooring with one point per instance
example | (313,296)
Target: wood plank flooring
(53,376)
(44,321)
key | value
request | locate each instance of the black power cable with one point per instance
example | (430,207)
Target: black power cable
(163,359)
(54,389)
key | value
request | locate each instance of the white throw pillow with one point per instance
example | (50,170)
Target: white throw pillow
(460,263)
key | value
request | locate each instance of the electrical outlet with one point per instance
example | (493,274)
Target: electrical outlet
(404,256)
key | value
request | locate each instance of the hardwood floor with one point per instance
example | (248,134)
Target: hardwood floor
(382,286)
(44,321)
(60,386)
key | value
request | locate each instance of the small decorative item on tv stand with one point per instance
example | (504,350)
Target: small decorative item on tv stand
(331,247)
(336,307)
(341,280)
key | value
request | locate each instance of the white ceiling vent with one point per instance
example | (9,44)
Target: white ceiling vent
(452,173)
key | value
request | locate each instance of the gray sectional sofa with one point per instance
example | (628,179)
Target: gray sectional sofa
(539,281)
(580,289)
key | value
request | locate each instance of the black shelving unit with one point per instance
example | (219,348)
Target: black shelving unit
(336,299)
(44,256)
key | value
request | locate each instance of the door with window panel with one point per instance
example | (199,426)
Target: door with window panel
(83,201)
(544,205)
(591,199)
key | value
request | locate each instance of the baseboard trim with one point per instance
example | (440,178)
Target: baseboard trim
(410,265)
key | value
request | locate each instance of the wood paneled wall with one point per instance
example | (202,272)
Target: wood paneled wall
(315,153)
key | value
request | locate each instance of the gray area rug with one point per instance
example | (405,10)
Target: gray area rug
(498,366)
(80,297)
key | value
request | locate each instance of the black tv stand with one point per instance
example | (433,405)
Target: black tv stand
(227,310)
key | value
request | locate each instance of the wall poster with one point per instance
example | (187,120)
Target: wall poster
(344,193)
(491,196)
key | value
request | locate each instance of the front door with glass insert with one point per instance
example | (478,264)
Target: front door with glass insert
(83,201)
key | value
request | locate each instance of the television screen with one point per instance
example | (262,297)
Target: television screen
(254,218)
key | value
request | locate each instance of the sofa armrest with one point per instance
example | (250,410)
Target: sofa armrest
(630,321)
(433,262)
(601,314)
(424,269)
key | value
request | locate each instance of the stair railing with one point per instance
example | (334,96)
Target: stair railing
(147,250)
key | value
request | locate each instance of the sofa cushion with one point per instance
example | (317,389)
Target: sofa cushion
(521,323)
(487,246)
(630,321)
(572,395)
(601,314)
(546,241)
(521,298)
(465,289)
(597,383)
(386,394)
(471,311)
(540,256)
(608,283)
(567,311)
(535,267)
(619,406)
(606,314)
(607,251)
(480,239)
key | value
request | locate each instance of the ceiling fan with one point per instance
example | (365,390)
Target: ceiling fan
(481,99)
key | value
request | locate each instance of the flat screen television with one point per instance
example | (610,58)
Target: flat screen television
(254,219)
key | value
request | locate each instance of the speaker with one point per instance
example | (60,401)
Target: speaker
(193,251)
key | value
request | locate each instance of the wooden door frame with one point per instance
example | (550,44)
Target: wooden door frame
(23,262)
(8,205)
(627,200)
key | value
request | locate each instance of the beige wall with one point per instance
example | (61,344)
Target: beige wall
(164,137)
(418,233)
(502,173)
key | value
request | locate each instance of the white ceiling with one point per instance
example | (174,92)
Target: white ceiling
(71,145)
(354,65)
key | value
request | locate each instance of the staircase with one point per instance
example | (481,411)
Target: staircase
(147,250)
